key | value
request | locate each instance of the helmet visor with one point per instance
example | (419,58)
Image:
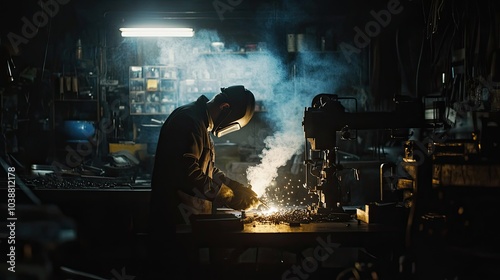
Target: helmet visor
(221,131)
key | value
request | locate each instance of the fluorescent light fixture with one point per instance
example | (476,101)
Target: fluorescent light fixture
(157,32)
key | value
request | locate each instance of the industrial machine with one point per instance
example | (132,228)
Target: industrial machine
(328,119)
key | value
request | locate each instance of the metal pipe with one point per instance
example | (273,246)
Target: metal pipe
(391,165)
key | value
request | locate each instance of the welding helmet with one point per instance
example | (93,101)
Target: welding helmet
(241,108)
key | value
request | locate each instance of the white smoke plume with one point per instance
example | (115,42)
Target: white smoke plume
(279,149)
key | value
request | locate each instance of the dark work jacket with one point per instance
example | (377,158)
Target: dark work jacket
(184,161)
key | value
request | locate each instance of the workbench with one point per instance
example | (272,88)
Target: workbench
(280,247)
(255,234)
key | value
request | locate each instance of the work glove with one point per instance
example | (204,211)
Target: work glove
(244,198)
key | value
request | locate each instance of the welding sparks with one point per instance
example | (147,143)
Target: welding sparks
(288,192)
(283,215)
(269,211)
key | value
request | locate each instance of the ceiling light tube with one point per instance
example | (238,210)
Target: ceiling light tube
(157,32)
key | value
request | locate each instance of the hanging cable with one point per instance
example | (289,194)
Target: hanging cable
(418,68)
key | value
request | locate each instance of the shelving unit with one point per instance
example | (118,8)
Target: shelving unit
(191,89)
(154,90)
(75,100)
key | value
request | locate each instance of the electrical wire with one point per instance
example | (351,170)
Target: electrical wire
(46,49)
(400,61)
(417,74)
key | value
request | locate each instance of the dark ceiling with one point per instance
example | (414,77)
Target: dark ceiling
(38,32)
(41,34)
(58,19)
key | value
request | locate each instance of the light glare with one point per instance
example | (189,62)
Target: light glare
(157,32)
